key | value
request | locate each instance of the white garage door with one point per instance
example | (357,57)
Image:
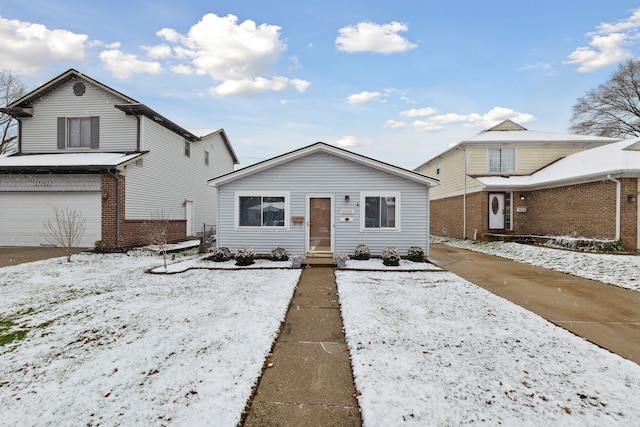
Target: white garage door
(22,215)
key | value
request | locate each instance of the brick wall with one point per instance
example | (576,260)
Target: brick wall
(132,232)
(583,210)
(447,214)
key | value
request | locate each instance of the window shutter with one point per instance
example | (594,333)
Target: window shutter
(61,133)
(95,132)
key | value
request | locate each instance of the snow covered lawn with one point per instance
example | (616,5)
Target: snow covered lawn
(108,344)
(619,270)
(429,348)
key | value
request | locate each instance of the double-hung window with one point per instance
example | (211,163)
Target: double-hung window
(380,211)
(269,211)
(502,160)
(78,132)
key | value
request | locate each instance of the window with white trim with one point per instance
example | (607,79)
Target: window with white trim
(206,158)
(187,148)
(502,160)
(380,211)
(262,210)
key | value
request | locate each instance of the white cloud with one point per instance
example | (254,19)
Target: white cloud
(123,65)
(161,51)
(370,37)
(257,86)
(300,85)
(224,49)
(419,112)
(182,69)
(28,48)
(395,124)
(347,141)
(238,56)
(436,122)
(363,97)
(608,45)
(426,126)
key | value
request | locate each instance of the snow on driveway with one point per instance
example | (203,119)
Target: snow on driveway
(429,348)
(108,344)
(618,270)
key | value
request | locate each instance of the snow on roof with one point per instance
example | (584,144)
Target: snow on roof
(596,163)
(67,160)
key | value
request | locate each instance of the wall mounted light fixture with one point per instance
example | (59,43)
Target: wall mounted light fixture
(346,199)
(631,198)
(522,197)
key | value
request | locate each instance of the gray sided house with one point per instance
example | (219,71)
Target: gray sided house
(84,146)
(322,200)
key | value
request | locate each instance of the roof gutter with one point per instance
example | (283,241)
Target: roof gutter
(618,188)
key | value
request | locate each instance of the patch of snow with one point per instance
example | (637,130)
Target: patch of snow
(618,270)
(433,349)
(377,264)
(111,345)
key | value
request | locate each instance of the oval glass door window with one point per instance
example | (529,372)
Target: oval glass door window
(495,205)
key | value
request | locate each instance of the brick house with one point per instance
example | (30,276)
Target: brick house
(510,180)
(85,146)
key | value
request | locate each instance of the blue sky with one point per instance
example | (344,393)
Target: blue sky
(399,81)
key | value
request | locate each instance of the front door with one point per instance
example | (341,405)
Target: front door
(496,211)
(320,224)
(188,215)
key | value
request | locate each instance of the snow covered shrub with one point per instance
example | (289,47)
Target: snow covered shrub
(362,252)
(390,256)
(245,256)
(221,254)
(415,254)
(279,254)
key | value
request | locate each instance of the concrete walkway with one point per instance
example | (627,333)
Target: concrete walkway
(606,315)
(310,382)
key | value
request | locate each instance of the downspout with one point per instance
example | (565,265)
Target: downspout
(464,197)
(138,134)
(117,178)
(617,205)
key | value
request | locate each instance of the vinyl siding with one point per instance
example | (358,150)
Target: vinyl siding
(161,184)
(530,159)
(117,130)
(323,174)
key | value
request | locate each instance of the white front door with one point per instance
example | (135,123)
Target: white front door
(188,215)
(496,211)
(320,224)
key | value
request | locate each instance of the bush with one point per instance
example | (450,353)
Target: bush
(415,254)
(221,254)
(362,252)
(245,256)
(279,254)
(390,256)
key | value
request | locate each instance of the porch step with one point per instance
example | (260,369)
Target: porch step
(326,261)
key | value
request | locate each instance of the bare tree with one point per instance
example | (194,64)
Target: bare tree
(65,229)
(11,89)
(613,108)
(157,229)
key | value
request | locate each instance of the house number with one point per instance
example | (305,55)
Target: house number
(42,184)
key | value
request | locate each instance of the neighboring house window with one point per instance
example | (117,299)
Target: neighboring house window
(502,159)
(206,158)
(187,148)
(267,210)
(380,211)
(78,132)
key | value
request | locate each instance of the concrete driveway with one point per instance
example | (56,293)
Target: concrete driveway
(13,255)
(606,315)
